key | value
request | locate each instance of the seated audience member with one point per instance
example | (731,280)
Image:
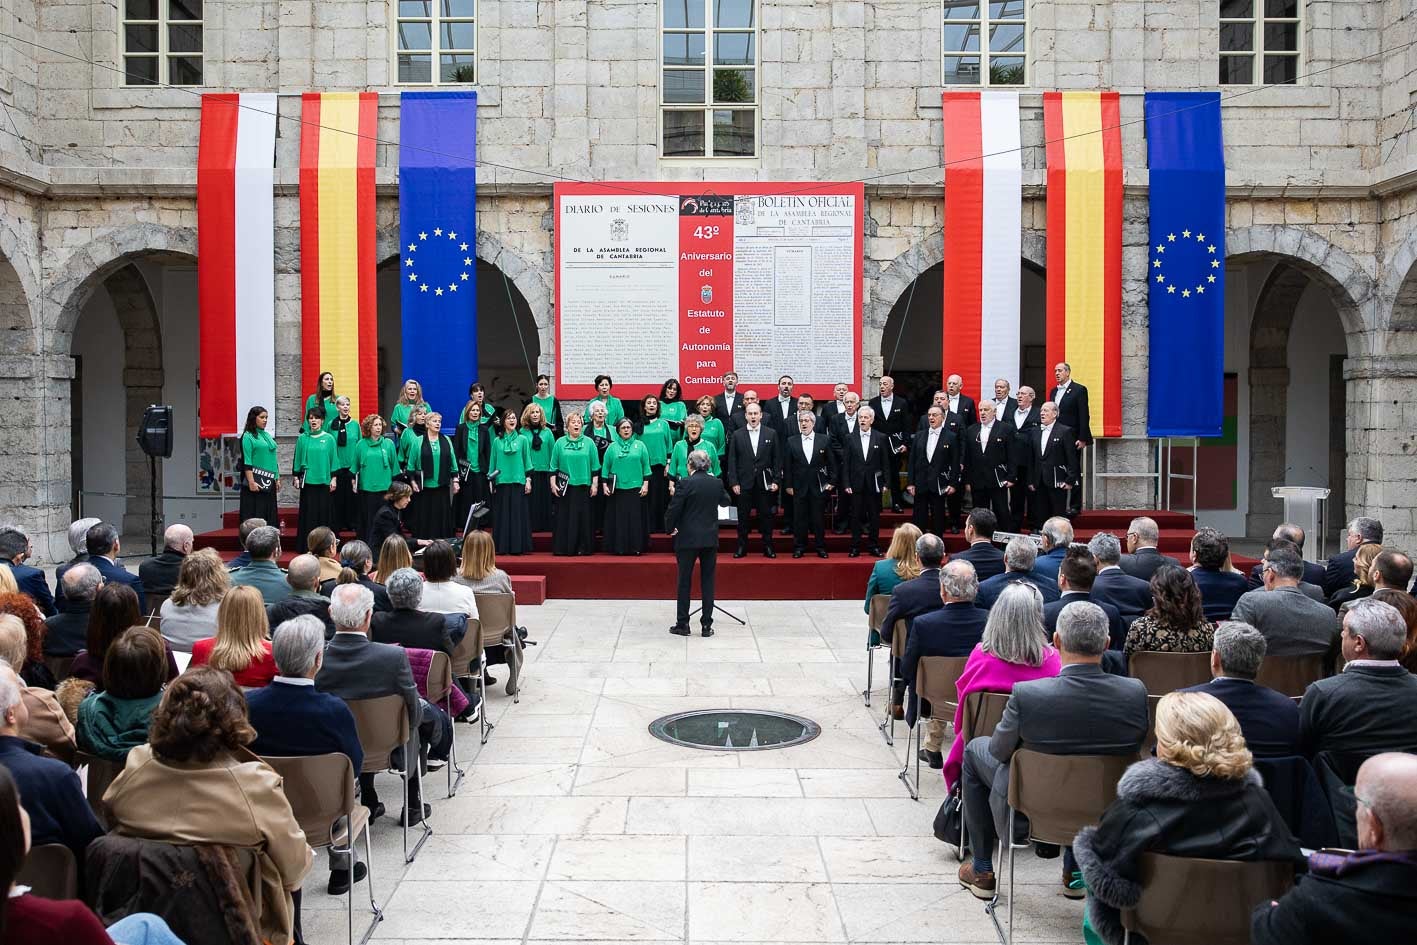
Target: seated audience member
(189,614)
(1130,595)
(1406,605)
(1057,535)
(409,624)
(899,564)
(1081,711)
(1309,589)
(1293,624)
(953,629)
(393,554)
(263,545)
(1269,720)
(1364,896)
(113,722)
(49,789)
(1013,648)
(47,724)
(1362,585)
(322,543)
(1076,580)
(1294,536)
(294,719)
(197,782)
(1175,622)
(65,631)
(987,559)
(480,573)
(114,610)
(243,532)
(8,586)
(1143,557)
(1199,797)
(242,645)
(34,672)
(1392,570)
(910,599)
(78,542)
(1020,554)
(303,576)
(14,551)
(442,593)
(1339,572)
(1220,585)
(159,573)
(103,545)
(356,556)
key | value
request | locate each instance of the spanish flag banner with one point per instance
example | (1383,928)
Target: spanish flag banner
(1084,137)
(339,316)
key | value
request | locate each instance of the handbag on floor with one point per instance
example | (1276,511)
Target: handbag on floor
(949,818)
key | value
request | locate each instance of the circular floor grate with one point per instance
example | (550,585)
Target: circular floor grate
(730,730)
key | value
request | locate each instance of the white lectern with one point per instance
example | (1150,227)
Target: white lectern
(1302,506)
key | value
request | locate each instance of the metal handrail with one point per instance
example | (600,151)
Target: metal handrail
(1091,466)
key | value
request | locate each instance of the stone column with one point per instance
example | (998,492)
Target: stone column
(1381,476)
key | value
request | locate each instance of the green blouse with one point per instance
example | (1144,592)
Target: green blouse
(409,442)
(657,438)
(475,433)
(614,412)
(344,455)
(674,411)
(375,463)
(401,412)
(316,458)
(413,459)
(549,409)
(331,410)
(258,450)
(576,458)
(679,459)
(713,433)
(511,459)
(628,462)
(540,458)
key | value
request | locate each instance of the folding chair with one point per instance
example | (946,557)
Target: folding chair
(320,789)
(936,680)
(898,639)
(982,712)
(875,613)
(469,662)
(100,775)
(1060,795)
(50,871)
(1166,672)
(440,690)
(382,724)
(1291,675)
(498,615)
(1193,901)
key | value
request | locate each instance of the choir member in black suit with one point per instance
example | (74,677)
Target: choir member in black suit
(754,472)
(961,404)
(866,468)
(729,403)
(1023,418)
(989,454)
(843,424)
(1053,459)
(811,470)
(739,420)
(940,399)
(835,406)
(934,472)
(893,421)
(781,412)
(1003,400)
(1071,398)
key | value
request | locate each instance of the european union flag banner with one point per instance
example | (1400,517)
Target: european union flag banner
(1186,264)
(438,245)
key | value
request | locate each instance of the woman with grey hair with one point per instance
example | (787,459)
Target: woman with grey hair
(1014,649)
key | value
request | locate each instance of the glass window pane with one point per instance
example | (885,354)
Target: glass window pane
(1281,8)
(961,38)
(961,70)
(961,9)
(459,67)
(683,134)
(140,9)
(733,85)
(1237,8)
(1006,70)
(140,70)
(1281,70)
(1236,70)
(1006,10)
(459,8)
(184,38)
(184,9)
(684,14)
(1006,39)
(733,14)
(733,133)
(683,49)
(139,39)
(184,70)
(733,49)
(458,36)
(415,7)
(415,36)
(1237,37)
(1281,36)
(416,68)
(684,85)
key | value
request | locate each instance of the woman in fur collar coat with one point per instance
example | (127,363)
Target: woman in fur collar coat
(1200,797)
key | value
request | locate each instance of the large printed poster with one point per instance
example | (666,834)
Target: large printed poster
(654,282)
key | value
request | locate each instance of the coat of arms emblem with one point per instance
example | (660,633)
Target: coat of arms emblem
(706,294)
(619,229)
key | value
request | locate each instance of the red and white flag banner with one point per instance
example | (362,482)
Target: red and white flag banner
(236,260)
(983,239)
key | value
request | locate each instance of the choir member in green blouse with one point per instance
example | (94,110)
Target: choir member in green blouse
(693,440)
(471,447)
(550,406)
(409,398)
(411,437)
(713,427)
(510,472)
(672,407)
(625,478)
(324,396)
(316,457)
(613,409)
(345,431)
(576,458)
(657,437)
(432,461)
(540,441)
(374,466)
(258,454)
(599,431)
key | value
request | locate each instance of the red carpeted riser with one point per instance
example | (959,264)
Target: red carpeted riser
(654,577)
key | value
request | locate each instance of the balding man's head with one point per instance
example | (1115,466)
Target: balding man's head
(1386,792)
(304,573)
(178,538)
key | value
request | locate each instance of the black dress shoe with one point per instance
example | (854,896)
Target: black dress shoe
(821,554)
(876,550)
(741,553)
(769,553)
(339,879)
(897,508)
(416,818)
(680,630)
(934,759)
(707,631)
(798,553)
(375,812)
(853,553)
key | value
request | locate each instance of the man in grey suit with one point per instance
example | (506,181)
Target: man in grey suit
(1143,558)
(1081,711)
(1293,624)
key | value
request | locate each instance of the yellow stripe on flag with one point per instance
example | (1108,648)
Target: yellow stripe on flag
(1086,234)
(339,243)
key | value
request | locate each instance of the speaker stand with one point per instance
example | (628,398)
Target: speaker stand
(155,519)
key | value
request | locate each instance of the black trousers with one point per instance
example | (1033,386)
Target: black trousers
(708,564)
(764,501)
(895,463)
(809,513)
(930,509)
(1021,504)
(865,515)
(997,501)
(955,503)
(1048,502)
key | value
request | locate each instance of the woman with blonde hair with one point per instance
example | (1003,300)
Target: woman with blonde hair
(409,402)
(393,554)
(1362,585)
(1199,797)
(479,566)
(242,645)
(190,613)
(899,564)
(7,582)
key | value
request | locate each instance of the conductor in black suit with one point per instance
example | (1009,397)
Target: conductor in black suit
(933,472)
(754,471)
(866,467)
(989,464)
(692,519)
(1053,459)
(1071,399)
(893,421)
(811,470)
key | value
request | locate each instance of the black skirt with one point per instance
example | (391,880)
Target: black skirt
(511,521)
(542,518)
(346,504)
(625,522)
(474,490)
(369,505)
(260,505)
(431,514)
(573,535)
(317,507)
(657,501)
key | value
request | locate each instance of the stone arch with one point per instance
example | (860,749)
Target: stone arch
(17,335)
(1400,284)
